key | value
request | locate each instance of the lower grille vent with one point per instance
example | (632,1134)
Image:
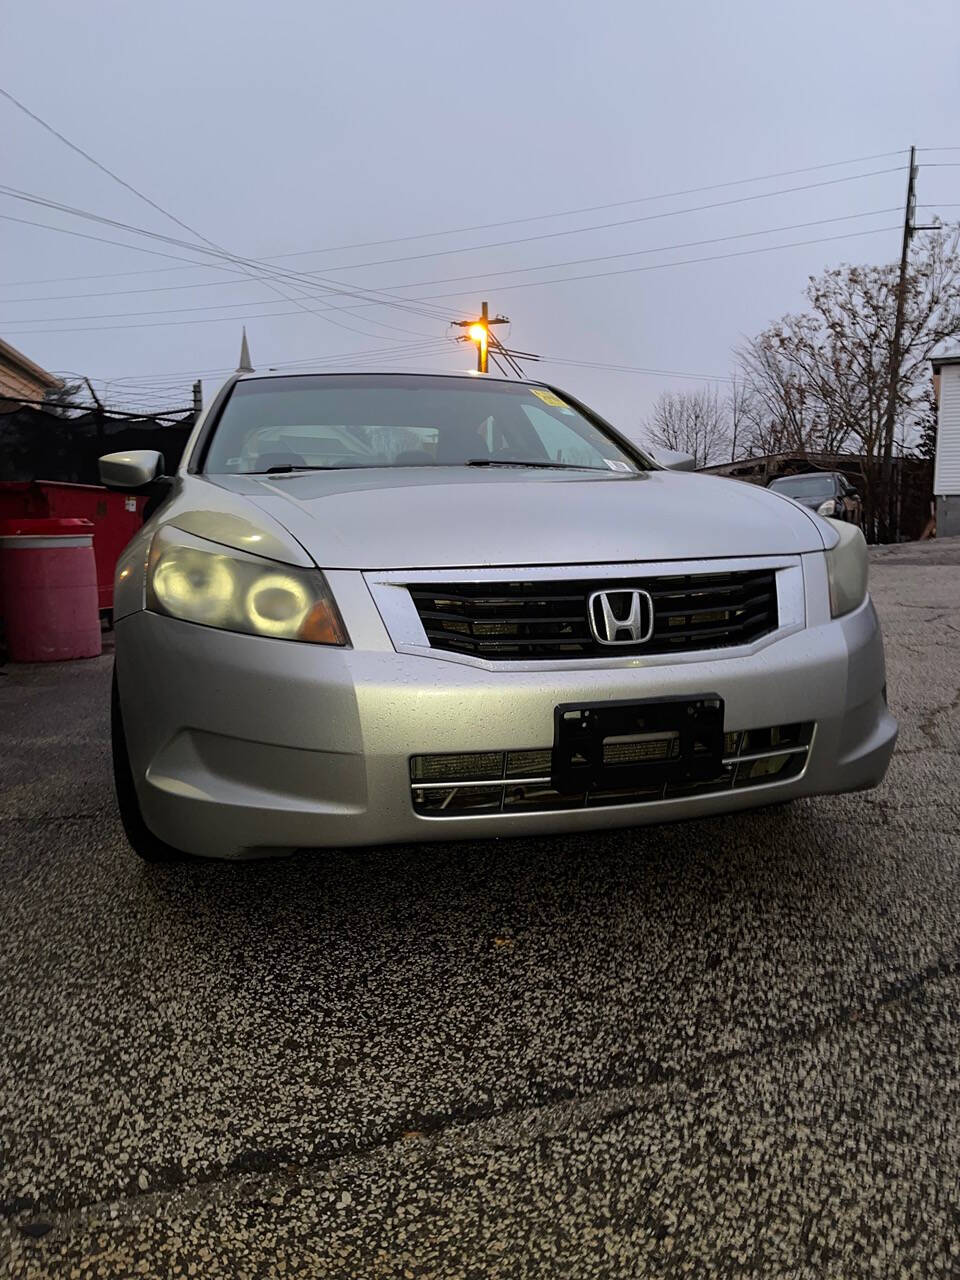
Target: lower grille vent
(448,786)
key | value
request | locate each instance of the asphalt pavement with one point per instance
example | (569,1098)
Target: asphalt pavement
(727,1047)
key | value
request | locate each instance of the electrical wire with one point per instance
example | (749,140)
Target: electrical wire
(171,379)
(337,284)
(137,248)
(269,274)
(159,390)
(529,284)
(485,274)
(573,362)
(483,226)
(633,253)
(154,205)
(606,226)
(683,262)
(272,283)
(256,269)
(597,208)
(510,271)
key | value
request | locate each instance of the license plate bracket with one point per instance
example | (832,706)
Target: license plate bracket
(606,746)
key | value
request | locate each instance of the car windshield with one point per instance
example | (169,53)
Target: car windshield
(805,486)
(396,420)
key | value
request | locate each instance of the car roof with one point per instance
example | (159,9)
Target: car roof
(804,475)
(466,374)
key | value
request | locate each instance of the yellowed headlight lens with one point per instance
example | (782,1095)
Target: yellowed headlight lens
(846,569)
(194,584)
(239,592)
(276,604)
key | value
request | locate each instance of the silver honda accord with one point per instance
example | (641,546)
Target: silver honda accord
(390,607)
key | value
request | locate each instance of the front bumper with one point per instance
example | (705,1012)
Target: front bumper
(241,746)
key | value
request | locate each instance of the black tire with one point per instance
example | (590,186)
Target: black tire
(142,840)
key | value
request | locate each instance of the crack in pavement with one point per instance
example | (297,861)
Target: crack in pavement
(274,1162)
(926,725)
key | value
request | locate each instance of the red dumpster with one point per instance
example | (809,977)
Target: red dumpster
(116,517)
(48,590)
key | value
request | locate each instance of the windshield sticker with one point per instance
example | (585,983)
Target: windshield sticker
(551,398)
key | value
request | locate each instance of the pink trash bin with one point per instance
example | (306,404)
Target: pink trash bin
(48,590)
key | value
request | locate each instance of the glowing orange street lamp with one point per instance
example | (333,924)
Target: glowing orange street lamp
(478,331)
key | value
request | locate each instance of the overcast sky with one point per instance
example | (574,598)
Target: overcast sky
(304,126)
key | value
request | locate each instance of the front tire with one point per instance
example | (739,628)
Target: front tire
(142,840)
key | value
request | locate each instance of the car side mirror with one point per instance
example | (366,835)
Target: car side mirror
(133,470)
(670,460)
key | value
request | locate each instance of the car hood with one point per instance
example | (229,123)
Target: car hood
(429,517)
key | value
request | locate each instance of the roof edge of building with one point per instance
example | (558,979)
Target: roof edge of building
(35,371)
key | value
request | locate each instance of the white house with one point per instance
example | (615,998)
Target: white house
(946,469)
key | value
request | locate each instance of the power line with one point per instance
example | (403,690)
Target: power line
(688,261)
(140,249)
(137,390)
(374,301)
(558,360)
(632,253)
(179,377)
(83,235)
(542,216)
(546,266)
(606,226)
(97,165)
(336,285)
(153,204)
(626,368)
(411,284)
(484,226)
(221,254)
(529,284)
(595,208)
(269,274)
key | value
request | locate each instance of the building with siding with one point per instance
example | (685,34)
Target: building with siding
(22,381)
(946,469)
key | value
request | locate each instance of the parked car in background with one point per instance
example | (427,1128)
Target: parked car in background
(829,493)
(393,607)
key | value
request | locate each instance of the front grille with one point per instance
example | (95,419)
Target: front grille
(548,619)
(449,786)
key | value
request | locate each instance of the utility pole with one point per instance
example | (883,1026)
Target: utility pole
(895,346)
(478,331)
(99,414)
(198,398)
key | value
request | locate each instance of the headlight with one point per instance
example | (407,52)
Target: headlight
(828,508)
(847,569)
(192,579)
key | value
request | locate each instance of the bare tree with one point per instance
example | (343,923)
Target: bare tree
(744,415)
(691,422)
(822,377)
(65,399)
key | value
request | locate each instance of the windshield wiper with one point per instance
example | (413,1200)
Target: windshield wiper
(287,467)
(509,462)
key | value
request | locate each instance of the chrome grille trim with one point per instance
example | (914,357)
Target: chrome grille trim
(731,763)
(515,618)
(391,593)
